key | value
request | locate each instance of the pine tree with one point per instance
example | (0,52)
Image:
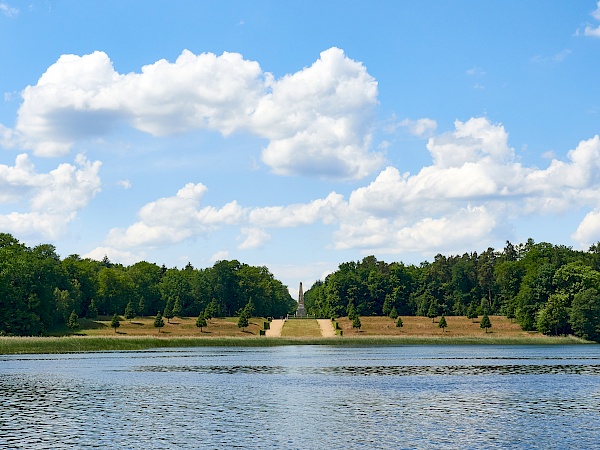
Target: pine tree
(158,321)
(129,311)
(115,323)
(243,322)
(168,313)
(73,321)
(141,306)
(442,323)
(399,323)
(92,311)
(356,322)
(485,322)
(351,310)
(472,312)
(201,322)
(432,312)
(177,307)
(393,313)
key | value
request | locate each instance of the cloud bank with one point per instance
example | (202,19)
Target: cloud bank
(468,197)
(317,121)
(53,199)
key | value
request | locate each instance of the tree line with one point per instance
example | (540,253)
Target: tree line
(39,291)
(549,288)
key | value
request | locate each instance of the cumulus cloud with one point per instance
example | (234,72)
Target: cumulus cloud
(588,230)
(255,238)
(474,172)
(173,219)
(325,210)
(317,121)
(468,196)
(593,31)
(53,199)
(419,127)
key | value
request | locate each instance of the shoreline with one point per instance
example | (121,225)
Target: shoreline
(85,344)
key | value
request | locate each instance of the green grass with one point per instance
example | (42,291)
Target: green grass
(308,328)
(30,345)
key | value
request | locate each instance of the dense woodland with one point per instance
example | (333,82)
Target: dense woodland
(549,288)
(39,291)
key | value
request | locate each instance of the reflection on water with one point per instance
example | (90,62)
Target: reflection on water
(305,397)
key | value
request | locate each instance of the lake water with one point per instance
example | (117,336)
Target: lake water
(305,397)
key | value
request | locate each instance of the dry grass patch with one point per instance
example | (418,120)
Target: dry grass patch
(301,328)
(178,327)
(458,326)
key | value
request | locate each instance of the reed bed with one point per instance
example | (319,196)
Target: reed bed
(75,344)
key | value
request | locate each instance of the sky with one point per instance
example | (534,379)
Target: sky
(298,135)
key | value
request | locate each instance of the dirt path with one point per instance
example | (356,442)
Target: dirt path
(326,328)
(275,328)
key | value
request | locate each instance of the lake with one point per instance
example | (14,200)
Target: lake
(305,397)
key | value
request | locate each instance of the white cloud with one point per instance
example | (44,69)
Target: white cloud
(255,238)
(318,120)
(419,127)
(116,256)
(53,199)
(474,172)
(467,197)
(8,10)
(324,210)
(593,31)
(125,184)
(173,219)
(323,114)
(221,255)
(588,231)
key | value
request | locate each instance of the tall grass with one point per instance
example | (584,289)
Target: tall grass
(30,345)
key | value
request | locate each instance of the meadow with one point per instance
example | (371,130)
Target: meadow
(140,334)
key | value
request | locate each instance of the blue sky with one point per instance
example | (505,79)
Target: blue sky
(298,135)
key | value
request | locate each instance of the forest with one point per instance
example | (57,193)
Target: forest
(39,291)
(548,288)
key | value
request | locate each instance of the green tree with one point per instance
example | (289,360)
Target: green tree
(115,323)
(472,312)
(399,323)
(176,307)
(129,311)
(485,322)
(201,322)
(168,313)
(393,314)
(585,315)
(442,324)
(141,306)
(158,321)
(73,321)
(351,311)
(552,318)
(243,322)
(92,311)
(433,310)
(356,322)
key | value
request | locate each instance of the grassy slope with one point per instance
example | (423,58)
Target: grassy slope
(182,332)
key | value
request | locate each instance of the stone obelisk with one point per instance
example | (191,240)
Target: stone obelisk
(300,312)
